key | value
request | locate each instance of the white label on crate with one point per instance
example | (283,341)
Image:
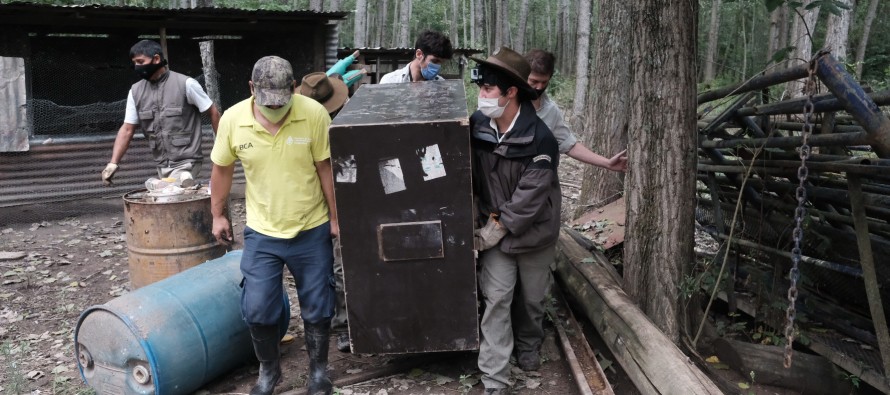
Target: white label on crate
(345,169)
(431,161)
(391,175)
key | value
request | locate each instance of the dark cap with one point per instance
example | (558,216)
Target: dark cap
(514,66)
(330,92)
(273,81)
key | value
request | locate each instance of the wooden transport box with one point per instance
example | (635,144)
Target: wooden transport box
(401,157)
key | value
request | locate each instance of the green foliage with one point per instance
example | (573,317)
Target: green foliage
(15,382)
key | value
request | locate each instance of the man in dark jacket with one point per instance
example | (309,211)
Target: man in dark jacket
(516,190)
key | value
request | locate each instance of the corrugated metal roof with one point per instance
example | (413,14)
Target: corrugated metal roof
(178,11)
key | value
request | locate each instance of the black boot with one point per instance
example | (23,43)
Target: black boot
(317,339)
(265,345)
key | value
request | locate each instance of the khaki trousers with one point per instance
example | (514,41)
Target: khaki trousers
(501,276)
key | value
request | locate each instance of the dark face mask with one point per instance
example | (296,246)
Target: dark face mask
(540,91)
(145,71)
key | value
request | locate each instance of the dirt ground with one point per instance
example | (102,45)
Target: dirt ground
(58,259)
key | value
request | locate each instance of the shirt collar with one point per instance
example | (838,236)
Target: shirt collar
(494,125)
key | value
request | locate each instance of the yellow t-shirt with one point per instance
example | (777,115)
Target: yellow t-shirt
(283,194)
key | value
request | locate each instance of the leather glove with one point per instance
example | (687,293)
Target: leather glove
(109,171)
(489,235)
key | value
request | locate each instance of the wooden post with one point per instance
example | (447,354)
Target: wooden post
(211,76)
(866,260)
(650,359)
(163,40)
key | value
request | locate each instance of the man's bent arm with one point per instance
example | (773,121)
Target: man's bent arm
(220,184)
(214,115)
(326,177)
(122,142)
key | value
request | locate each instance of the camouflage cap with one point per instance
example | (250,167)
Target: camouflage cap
(273,81)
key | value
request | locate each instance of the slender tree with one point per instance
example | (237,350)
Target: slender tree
(404,23)
(394,38)
(866,30)
(778,30)
(608,114)
(316,5)
(837,31)
(713,35)
(473,23)
(661,176)
(804,27)
(335,5)
(480,22)
(582,62)
(455,17)
(549,16)
(520,36)
(381,24)
(360,31)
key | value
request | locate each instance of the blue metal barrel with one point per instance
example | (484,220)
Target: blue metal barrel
(170,337)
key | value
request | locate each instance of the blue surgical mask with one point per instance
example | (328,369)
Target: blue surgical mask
(430,71)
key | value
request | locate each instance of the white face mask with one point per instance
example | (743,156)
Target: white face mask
(490,107)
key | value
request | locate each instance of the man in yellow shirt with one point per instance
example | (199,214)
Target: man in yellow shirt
(281,140)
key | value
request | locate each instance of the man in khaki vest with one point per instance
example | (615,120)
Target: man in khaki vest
(167,106)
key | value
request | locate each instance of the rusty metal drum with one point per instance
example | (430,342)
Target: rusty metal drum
(166,235)
(170,337)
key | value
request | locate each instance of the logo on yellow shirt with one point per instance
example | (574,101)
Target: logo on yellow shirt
(242,147)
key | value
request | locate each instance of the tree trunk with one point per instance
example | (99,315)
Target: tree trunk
(455,11)
(394,38)
(838,30)
(711,54)
(316,5)
(566,41)
(549,14)
(609,111)
(582,62)
(498,23)
(803,29)
(519,44)
(463,26)
(778,35)
(863,43)
(661,168)
(404,23)
(382,14)
(335,5)
(473,22)
(360,32)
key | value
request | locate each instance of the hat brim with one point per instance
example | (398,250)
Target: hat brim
(520,83)
(338,99)
(272,97)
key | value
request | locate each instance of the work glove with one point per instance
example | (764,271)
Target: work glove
(109,171)
(490,234)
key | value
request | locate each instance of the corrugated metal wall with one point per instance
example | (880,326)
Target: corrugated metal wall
(14,128)
(53,172)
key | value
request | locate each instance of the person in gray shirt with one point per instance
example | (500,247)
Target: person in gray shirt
(542,64)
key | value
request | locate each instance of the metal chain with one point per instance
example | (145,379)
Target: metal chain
(800,212)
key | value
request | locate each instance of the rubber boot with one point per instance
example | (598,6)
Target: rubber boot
(317,339)
(265,345)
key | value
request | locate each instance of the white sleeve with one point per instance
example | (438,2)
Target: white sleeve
(130,114)
(196,95)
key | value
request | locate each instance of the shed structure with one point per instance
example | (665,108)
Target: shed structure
(66,72)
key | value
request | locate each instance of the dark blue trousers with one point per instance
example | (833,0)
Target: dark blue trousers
(308,257)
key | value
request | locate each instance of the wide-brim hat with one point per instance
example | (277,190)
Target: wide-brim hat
(513,65)
(330,92)
(273,81)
